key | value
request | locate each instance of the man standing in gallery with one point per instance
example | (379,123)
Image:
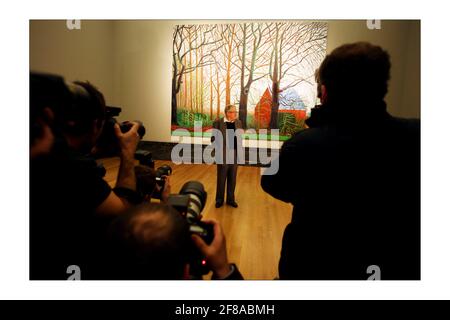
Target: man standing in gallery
(230,129)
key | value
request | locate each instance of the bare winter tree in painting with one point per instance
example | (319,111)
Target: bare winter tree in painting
(266,69)
(252,46)
(188,47)
(297,50)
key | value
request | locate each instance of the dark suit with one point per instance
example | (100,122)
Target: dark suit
(226,171)
(355,187)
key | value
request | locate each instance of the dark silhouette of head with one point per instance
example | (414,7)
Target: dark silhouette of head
(81,121)
(150,241)
(88,106)
(355,74)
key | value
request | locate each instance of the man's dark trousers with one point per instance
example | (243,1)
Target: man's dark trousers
(226,173)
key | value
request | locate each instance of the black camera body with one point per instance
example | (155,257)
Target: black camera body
(160,178)
(189,203)
(107,144)
(145,158)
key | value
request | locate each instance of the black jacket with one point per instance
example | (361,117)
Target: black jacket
(65,189)
(355,185)
(221,126)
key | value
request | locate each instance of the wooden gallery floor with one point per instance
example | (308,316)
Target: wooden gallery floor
(253,231)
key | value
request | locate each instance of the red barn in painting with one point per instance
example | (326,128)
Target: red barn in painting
(263,110)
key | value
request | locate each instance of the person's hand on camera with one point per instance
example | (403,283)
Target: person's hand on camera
(216,252)
(129,140)
(166,191)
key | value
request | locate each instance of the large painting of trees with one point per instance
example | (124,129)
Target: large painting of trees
(265,69)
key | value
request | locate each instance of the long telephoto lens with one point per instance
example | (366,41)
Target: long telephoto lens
(197,195)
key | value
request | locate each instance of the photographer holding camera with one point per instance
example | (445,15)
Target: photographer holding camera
(70,202)
(152,184)
(166,241)
(154,242)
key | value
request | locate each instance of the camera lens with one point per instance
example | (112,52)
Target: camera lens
(197,195)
